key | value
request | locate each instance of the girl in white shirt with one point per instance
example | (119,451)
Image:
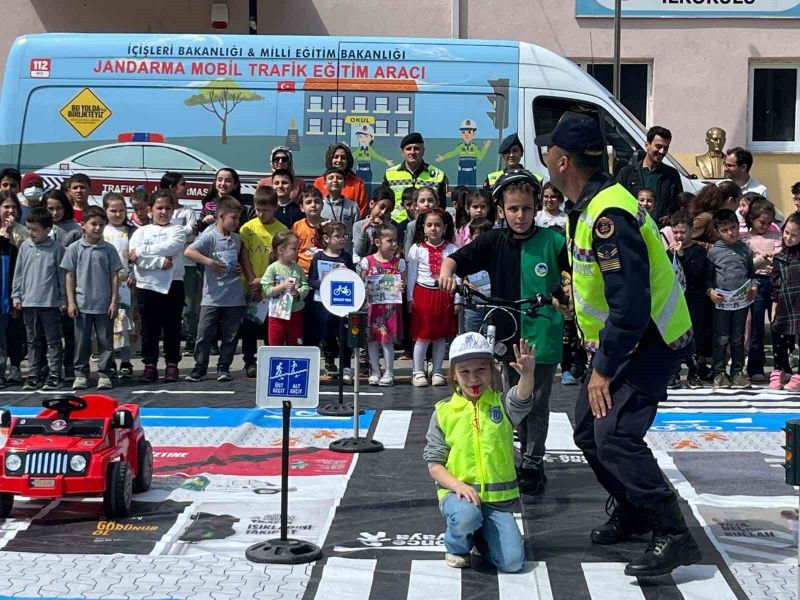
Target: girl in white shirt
(433,310)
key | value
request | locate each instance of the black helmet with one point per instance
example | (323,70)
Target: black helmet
(515,176)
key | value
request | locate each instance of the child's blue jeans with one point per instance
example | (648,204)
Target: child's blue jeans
(499,541)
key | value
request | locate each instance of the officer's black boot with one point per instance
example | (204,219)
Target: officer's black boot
(672,544)
(625,521)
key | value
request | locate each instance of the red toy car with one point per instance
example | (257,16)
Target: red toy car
(77,446)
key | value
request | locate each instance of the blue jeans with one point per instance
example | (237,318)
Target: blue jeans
(499,541)
(473,319)
(759,307)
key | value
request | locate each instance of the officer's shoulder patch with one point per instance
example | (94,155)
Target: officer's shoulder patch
(607,256)
(604,228)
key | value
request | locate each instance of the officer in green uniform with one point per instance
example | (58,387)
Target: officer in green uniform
(511,152)
(414,172)
(469,154)
(633,318)
(364,154)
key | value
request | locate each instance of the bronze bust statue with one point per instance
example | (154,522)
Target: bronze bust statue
(711,164)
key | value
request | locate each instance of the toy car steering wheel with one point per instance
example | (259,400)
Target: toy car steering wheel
(64,404)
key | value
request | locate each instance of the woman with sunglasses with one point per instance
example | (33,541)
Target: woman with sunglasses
(281,158)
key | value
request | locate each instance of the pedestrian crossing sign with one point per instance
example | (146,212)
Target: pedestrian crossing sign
(287,374)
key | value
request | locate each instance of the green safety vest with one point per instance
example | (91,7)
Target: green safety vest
(495,175)
(667,303)
(481,441)
(399,179)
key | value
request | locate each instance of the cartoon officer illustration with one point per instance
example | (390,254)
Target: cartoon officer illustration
(468,154)
(363,155)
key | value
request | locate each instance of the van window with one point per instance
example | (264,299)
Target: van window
(126,156)
(548,110)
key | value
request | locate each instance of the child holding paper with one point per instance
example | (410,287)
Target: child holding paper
(285,282)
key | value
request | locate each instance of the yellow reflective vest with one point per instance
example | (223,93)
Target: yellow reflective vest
(667,303)
(481,441)
(399,179)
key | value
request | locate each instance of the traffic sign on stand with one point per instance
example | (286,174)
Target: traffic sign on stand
(286,375)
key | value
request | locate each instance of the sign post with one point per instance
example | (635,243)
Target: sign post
(342,293)
(286,376)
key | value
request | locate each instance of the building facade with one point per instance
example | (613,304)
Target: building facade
(689,68)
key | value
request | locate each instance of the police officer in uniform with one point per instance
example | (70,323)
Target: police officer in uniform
(469,154)
(633,317)
(414,172)
(511,151)
(364,153)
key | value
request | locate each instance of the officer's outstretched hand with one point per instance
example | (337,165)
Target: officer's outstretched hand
(599,390)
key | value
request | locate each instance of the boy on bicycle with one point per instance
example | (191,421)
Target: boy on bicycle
(522,260)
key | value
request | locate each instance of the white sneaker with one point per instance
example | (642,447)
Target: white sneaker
(374,379)
(419,379)
(80,383)
(347,375)
(456,561)
(104,383)
(387,380)
(437,379)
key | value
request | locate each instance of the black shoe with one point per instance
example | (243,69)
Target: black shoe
(188,348)
(196,375)
(675,384)
(666,552)
(224,375)
(625,521)
(52,383)
(704,372)
(693,381)
(532,481)
(251,371)
(214,350)
(31,383)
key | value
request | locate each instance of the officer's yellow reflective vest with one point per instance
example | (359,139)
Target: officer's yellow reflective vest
(667,303)
(481,441)
(399,179)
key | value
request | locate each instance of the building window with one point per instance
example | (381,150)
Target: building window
(403,127)
(381,104)
(773,102)
(360,103)
(315,126)
(337,127)
(315,103)
(403,104)
(337,104)
(635,83)
(381,127)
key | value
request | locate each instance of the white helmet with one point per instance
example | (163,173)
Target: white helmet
(468,346)
(366,130)
(468,124)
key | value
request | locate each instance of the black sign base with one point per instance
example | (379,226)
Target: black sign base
(334,409)
(283,552)
(356,445)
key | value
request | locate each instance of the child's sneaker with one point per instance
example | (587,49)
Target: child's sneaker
(793,385)
(14,376)
(721,381)
(52,383)
(758,378)
(675,383)
(251,371)
(224,376)
(196,375)
(740,382)
(172,374)
(437,379)
(457,561)
(568,379)
(347,375)
(104,383)
(419,379)
(80,383)
(775,380)
(374,379)
(125,371)
(149,375)
(31,383)
(331,370)
(387,380)
(693,381)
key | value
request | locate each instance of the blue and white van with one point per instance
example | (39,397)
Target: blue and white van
(125,108)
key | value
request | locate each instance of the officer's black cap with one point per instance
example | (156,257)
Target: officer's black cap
(411,138)
(576,133)
(508,142)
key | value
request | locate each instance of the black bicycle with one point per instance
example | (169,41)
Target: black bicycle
(513,310)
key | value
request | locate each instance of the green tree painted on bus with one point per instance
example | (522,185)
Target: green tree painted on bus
(220,97)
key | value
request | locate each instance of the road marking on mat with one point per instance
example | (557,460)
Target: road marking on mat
(346,579)
(608,580)
(532,582)
(392,428)
(559,434)
(701,582)
(433,579)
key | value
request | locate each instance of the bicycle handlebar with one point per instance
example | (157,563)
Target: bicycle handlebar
(535,303)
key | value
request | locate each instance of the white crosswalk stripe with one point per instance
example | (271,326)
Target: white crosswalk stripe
(392,428)
(352,579)
(719,400)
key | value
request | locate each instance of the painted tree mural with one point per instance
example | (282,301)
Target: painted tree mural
(221,97)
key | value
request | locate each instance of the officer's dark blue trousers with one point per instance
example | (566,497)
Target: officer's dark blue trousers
(614,445)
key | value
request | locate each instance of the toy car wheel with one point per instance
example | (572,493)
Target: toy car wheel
(117,497)
(6,504)
(144,474)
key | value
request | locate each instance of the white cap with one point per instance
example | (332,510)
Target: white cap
(366,129)
(468,124)
(468,346)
